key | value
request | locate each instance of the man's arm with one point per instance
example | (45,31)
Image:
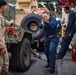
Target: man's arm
(2,42)
(71,21)
(7,23)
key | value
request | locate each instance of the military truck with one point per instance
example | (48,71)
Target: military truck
(18,43)
(20,36)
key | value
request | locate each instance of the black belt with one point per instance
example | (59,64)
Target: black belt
(50,36)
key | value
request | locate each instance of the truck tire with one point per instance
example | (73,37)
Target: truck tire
(31,23)
(21,56)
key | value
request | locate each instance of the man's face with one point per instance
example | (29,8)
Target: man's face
(3,8)
(66,11)
(45,17)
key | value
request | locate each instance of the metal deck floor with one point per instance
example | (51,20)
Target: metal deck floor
(66,66)
(63,67)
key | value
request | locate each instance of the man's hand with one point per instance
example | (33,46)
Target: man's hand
(43,22)
(12,22)
(3,51)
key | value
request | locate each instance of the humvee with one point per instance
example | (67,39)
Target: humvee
(20,36)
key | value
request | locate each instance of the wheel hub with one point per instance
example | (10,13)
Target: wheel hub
(26,56)
(33,26)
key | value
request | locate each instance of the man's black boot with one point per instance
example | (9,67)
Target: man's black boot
(51,71)
(47,66)
(59,57)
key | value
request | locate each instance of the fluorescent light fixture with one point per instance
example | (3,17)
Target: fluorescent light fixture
(44,6)
(55,9)
(54,6)
(54,3)
(42,3)
(11,4)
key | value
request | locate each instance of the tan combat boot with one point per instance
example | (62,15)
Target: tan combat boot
(6,73)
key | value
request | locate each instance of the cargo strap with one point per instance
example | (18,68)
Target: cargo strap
(37,55)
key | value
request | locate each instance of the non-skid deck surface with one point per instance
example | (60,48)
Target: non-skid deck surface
(63,67)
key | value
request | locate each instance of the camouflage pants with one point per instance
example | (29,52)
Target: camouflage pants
(4,64)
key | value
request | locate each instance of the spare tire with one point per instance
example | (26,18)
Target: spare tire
(31,23)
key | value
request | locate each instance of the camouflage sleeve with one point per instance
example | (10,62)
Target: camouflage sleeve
(2,42)
(2,39)
(6,22)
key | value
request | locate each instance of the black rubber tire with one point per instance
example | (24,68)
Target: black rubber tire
(33,18)
(21,56)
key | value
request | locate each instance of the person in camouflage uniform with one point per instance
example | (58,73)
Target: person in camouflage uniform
(4,59)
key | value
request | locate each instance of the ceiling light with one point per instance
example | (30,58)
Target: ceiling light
(44,6)
(54,3)
(42,3)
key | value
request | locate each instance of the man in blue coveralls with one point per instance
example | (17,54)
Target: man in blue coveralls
(69,32)
(51,39)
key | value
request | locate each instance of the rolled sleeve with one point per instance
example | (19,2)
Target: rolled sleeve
(6,22)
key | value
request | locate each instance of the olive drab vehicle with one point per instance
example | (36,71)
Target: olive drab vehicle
(20,36)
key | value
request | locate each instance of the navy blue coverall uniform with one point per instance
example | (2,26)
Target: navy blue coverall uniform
(50,44)
(69,33)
